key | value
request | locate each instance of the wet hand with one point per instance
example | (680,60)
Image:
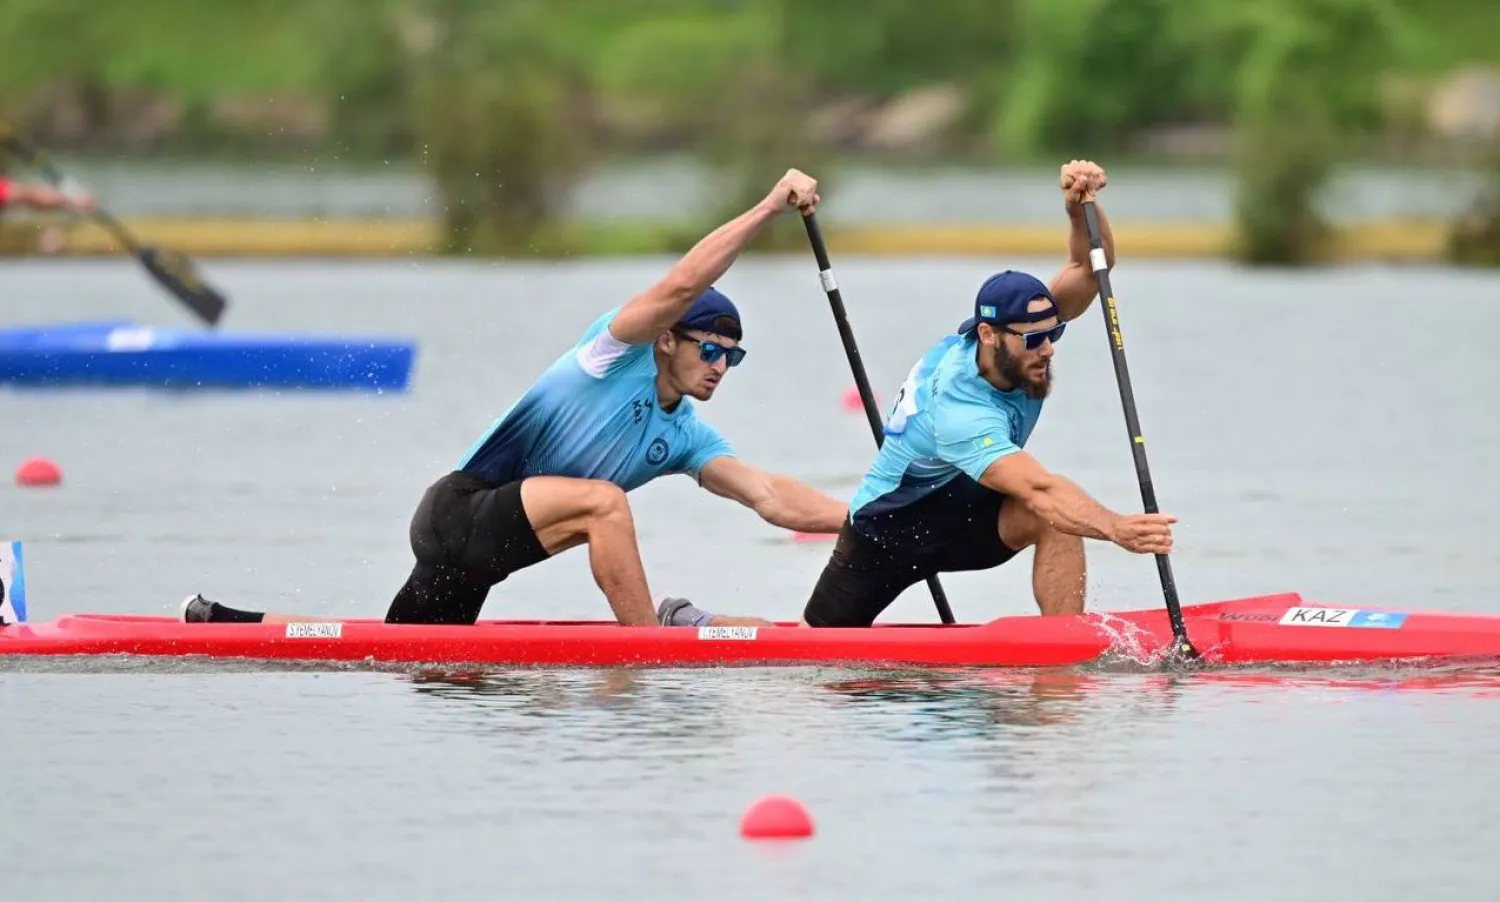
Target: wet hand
(1145,533)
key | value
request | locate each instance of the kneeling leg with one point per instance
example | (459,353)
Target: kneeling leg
(567,512)
(1058,570)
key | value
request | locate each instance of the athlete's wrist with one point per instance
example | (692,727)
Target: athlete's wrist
(768,208)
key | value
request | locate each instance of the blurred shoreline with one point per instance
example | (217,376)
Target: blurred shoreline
(663,205)
(1390,240)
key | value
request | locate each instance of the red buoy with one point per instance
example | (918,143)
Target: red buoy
(776,817)
(852,402)
(38,471)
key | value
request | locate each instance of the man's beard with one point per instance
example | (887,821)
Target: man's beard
(1011,371)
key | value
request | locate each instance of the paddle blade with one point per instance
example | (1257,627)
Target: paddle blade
(175,273)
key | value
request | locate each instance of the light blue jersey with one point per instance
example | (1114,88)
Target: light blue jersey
(946,421)
(593,415)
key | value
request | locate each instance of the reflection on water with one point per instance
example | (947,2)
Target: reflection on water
(900,705)
(544,689)
(623,687)
(971,703)
(1480,680)
(661,709)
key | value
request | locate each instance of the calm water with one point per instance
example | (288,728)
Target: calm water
(1324,432)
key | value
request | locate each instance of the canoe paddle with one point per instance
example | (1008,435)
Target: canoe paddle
(851,351)
(173,271)
(1098,260)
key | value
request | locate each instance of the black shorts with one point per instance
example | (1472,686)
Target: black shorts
(467,534)
(954,528)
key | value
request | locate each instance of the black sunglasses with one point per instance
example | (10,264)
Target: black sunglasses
(711,351)
(1034,339)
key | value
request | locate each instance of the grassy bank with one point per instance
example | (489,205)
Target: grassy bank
(508,105)
(1406,241)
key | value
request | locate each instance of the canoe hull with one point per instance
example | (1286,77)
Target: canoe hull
(1263,629)
(114,354)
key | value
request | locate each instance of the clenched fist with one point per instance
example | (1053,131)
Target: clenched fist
(1081,181)
(795,190)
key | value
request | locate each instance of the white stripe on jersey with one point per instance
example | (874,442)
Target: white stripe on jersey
(596,356)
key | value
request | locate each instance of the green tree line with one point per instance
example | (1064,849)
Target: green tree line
(507,101)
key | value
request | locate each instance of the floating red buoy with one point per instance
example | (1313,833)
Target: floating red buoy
(38,471)
(776,817)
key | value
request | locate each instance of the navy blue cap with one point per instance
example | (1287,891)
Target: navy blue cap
(707,308)
(1004,299)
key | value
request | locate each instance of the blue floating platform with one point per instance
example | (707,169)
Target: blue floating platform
(124,354)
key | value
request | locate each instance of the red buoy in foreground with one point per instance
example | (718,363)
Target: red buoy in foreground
(38,471)
(776,817)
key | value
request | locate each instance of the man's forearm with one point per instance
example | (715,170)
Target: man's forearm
(40,197)
(648,314)
(1068,508)
(793,505)
(712,256)
(653,312)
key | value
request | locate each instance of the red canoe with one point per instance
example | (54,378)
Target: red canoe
(1264,629)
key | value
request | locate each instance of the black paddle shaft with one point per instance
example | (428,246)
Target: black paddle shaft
(862,381)
(173,271)
(1100,265)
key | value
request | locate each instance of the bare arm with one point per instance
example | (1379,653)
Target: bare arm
(1075,287)
(1057,500)
(652,312)
(44,197)
(38,197)
(779,500)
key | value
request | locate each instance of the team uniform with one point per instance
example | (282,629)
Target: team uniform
(920,509)
(591,415)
